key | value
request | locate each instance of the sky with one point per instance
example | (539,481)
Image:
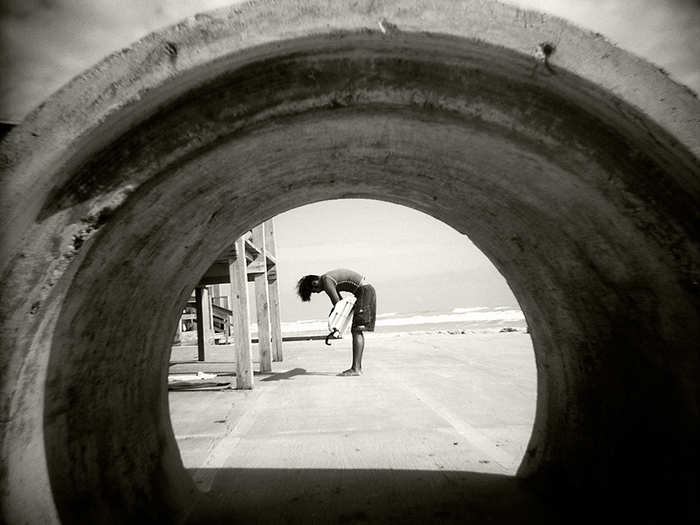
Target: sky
(415,262)
(44,43)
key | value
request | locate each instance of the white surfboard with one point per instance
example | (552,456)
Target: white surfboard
(340,317)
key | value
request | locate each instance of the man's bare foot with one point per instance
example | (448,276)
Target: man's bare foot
(351,372)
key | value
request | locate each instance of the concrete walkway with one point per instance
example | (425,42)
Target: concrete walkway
(434,421)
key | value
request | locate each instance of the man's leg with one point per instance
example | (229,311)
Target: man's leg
(358,345)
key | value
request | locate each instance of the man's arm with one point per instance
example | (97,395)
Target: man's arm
(329,287)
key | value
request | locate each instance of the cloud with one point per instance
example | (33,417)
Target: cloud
(44,43)
(23,9)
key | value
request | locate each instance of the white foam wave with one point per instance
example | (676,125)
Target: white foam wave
(462,315)
(503,315)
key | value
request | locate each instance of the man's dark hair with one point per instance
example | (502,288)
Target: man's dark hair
(305,287)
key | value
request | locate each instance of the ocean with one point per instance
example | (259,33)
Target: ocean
(472,319)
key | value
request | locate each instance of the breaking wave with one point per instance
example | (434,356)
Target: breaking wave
(473,317)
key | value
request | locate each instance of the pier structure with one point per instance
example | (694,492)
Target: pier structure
(223,312)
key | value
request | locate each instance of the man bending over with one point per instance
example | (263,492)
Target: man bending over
(364,314)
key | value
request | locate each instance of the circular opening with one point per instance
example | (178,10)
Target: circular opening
(449,367)
(446,399)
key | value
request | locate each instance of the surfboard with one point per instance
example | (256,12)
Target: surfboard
(340,317)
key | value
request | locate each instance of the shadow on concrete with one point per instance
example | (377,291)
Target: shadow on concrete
(228,369)
(289,374)
(300,496)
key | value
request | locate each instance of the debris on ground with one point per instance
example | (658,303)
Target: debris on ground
(198,381)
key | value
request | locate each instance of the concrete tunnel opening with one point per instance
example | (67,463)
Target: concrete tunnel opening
(460,399)
(580,186)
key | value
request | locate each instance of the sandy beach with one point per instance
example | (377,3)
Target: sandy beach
(431,406)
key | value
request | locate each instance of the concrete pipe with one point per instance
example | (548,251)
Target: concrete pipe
(572,164)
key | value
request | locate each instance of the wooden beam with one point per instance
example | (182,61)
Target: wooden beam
(257,266)
(273,294)
(275,322)
(252,250)
(208,316)
(262,304)
(241,324)
(217,273)
(200,323)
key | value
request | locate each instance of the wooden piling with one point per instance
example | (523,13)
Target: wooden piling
(238,276)
(258,268)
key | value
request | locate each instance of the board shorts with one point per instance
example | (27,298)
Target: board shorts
(365,312)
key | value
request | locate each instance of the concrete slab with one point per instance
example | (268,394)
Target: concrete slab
(430,411)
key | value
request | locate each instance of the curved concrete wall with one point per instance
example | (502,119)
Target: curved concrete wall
(576,174)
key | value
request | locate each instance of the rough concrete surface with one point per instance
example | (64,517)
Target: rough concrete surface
(572,164)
